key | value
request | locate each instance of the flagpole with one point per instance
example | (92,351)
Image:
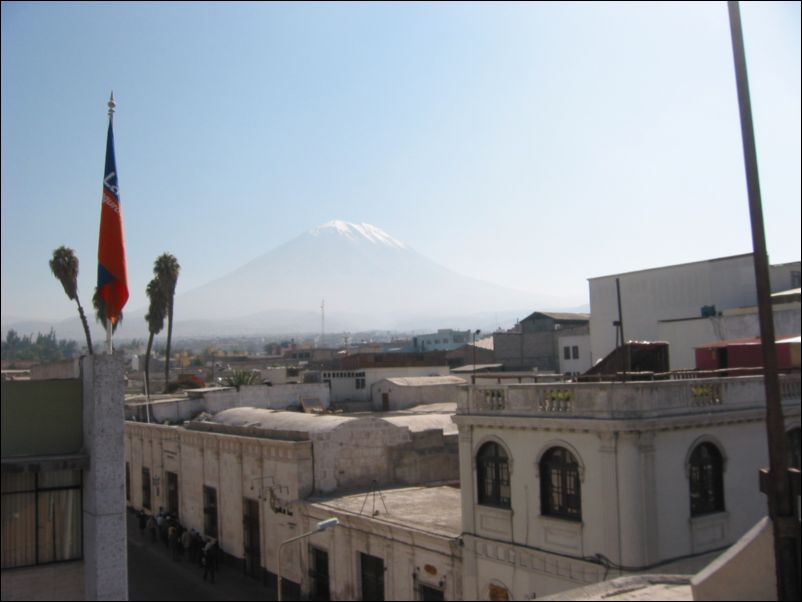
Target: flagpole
(109,322)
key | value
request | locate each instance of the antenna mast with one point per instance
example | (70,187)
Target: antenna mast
(322,321)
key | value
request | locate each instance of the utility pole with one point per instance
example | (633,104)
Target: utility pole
(322,322)
(777,483)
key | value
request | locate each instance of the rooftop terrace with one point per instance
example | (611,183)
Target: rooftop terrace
(623,400)
(436,510)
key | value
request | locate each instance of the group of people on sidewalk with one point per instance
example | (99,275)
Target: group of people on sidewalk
(180,541)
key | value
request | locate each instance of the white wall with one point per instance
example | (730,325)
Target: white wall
(673,292)
(355,453)
(277,473)
(404,396)
(343,382)
(574,366)
(666,294)
(277,397)
(634,485)
(404,550)
(684,335)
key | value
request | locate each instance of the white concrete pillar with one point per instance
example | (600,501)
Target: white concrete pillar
(648,475)
(630,480)
(105,537)
(608,456)
(466,475)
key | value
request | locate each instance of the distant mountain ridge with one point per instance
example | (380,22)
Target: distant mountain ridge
(368,279)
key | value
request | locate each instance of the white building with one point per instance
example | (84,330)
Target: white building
(442,340)
(680,292)
(253,478)
(396,544)
(177,408)
(683,336)
(356,384)
(568,484)
(574,351)
(405,392)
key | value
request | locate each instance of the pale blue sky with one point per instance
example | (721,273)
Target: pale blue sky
(532,145)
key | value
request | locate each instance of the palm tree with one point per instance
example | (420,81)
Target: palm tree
(155,320)
(166,270)
(64,266)
(241,377)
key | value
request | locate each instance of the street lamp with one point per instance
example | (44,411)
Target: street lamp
(477,331)
(321,526)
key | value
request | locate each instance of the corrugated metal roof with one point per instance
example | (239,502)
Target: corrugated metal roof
(745,341)
(424,381)
(468,368)
(559,316)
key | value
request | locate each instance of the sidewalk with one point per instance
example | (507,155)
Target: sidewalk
(154,575)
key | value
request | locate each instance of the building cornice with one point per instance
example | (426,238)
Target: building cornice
(600,425)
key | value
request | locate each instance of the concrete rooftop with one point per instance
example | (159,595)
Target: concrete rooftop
(641,587)
(437,510)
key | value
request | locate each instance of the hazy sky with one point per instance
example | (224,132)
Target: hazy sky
(532,145)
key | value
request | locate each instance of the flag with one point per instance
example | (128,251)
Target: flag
(112,274)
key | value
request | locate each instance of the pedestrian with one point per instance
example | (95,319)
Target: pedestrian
(161,521)
(153,527)
(143,521)
(209,560)
(172,538)
(197,543)
(186,541)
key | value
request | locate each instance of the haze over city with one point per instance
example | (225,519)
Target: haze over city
(527,145)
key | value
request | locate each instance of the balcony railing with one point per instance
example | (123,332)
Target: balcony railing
(617,400)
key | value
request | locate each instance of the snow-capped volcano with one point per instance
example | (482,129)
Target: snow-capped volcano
(368,279)
(357,232)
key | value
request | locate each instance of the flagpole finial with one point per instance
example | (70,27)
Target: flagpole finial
(112,104)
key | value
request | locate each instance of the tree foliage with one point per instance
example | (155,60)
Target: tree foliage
(166,269)
(157,310)
(241,377)
(42,348)
(64,266)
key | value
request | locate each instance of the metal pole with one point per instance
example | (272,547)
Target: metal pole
(474,355)
(321,526)
(620,325)
(109,328)
(780,498)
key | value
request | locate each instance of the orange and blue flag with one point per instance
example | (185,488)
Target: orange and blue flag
(112,273)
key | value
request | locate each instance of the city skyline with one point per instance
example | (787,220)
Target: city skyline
(533,146)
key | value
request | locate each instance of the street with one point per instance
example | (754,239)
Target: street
(153,575)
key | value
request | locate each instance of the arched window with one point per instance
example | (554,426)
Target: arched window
(560,494)
(706,475)
(493,476)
